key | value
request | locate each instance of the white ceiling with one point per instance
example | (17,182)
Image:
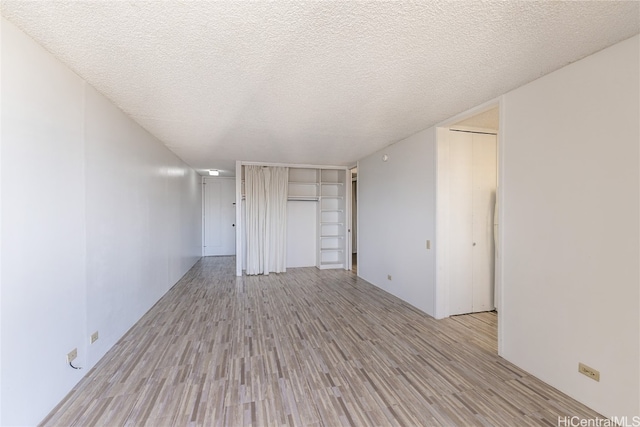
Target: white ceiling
(311,82)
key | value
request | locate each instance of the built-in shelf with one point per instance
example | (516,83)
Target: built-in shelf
(332,219)
(303,184)
(303,198)
(327,187)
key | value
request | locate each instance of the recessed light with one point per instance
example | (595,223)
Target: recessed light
(213,172)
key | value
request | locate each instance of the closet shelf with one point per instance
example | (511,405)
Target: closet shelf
(332,249)
(332,236)
(331,223)
(303,198)
(313,198)
(332,210)
(303,183)
(332,183)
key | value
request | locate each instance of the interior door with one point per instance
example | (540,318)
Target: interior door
(461,225)
(219,216)
(483,205)
(472,186)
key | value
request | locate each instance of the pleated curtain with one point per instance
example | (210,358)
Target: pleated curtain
(266,189)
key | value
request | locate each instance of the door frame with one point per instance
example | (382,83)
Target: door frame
(350,226)
(442,282)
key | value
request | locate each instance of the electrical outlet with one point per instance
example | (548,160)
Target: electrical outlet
(72,355)
(388,277)
(589,372)
(94,337)
(428,244)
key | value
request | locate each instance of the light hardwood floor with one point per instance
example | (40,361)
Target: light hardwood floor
(305,348)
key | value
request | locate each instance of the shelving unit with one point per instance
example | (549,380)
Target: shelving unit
(332,221)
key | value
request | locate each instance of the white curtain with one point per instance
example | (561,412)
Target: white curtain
(266,191)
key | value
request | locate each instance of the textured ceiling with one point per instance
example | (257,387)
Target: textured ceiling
(311,82)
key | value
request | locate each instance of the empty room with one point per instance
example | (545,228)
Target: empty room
(319,213)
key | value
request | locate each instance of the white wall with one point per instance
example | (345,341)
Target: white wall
(302,233)
(98,221)
(143,216)
(43,256)
(396,216)
(570,227)
(1,134)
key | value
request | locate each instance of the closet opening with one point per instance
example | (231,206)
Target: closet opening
(467,203)
(315,216)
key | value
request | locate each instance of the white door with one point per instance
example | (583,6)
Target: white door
(219,216)
(484,201)
(460,222)
(473,173)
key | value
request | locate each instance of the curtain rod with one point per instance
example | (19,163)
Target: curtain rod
(473,131)
(295,199)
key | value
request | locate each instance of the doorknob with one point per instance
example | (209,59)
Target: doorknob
(474,243)
(233,225)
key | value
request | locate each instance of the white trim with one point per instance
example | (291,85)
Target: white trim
(347,219)
(202,184)
(473,129)
(357,219)
(292,165)
(239,246)
(441,288)
(499,267)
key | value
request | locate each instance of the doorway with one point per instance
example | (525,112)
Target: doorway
(219,214)
(472,196)
(452,263)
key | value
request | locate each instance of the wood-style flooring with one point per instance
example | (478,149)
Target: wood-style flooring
(305,348)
